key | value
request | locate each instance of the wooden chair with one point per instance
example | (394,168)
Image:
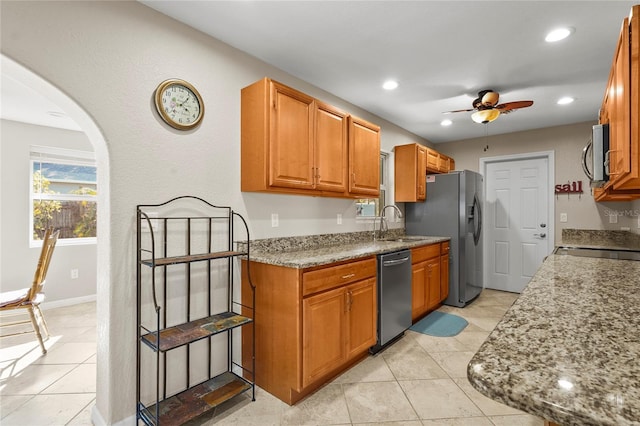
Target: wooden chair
(29,298)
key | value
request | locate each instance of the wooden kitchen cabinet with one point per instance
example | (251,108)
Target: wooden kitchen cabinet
(410,172)
(295,144)
(444,270)
(425,280)
(313,323)
(364,158)
(443,163)
(330,148)
(412,163)
(338,325)
(621,110)
(433,160)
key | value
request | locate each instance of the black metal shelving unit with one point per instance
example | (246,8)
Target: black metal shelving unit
(187,251)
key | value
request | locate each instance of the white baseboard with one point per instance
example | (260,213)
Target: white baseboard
(98,420)
(50,305)
(68,302)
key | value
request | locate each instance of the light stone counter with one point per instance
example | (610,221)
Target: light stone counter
(283,254)
(568,350)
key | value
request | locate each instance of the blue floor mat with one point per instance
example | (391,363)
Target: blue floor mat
(440,324)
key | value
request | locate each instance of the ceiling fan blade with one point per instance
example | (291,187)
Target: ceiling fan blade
(459,110)
(510,106)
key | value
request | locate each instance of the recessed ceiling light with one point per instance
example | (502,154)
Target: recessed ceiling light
(390,85)
(566,100)
(446,122)
(558,34)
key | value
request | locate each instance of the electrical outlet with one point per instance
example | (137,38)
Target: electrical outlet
(274,220)
(339,219)
(613,218)
(74,274)
(563,217)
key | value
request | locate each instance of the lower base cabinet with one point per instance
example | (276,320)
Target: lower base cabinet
(337,326)
(430,278)
(316,323)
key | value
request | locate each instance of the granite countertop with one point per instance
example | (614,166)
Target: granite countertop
(568,348)
(301,254)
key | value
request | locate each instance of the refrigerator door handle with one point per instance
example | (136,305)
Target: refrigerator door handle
(478,214)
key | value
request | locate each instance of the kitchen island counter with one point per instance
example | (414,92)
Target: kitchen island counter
(568,348)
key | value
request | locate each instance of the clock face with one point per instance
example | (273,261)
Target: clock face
(179,104)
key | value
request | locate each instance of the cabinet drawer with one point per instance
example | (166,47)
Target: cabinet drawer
(423,253)
(444,247)
(334,276)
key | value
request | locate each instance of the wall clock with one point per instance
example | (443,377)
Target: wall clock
(179,104)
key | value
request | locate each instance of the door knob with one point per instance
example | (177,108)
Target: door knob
(540,235)
(543,225)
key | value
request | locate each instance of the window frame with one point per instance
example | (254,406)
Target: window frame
(46,154)
(384,184)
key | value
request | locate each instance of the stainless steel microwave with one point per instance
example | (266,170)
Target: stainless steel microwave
(595,156)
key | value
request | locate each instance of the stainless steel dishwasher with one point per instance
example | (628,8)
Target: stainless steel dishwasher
(394,297)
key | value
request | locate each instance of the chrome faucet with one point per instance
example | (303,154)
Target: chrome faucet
(383,221)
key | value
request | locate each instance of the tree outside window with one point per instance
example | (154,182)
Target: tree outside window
(64,195)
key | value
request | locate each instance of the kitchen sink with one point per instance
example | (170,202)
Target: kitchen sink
(405,238)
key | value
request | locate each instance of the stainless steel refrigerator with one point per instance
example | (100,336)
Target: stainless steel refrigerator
(454,209)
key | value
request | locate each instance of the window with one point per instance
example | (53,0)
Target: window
(370,207)
(63,194)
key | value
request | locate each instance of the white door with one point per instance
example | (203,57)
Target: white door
(517,221)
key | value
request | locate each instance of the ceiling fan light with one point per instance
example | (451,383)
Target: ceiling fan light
(485,116)
(490,98)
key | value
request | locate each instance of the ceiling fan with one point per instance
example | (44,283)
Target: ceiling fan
(487,107)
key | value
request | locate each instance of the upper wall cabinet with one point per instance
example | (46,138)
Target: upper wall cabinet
(621,110)
(412,163)
(364,158)
(410,173)
(292,143)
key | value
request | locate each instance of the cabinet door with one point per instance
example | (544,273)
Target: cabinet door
(433,282)
(323,336)
(419,289)
(443,163)
(330,148)
(618,105)
(291,138)
(364,158)
(444,276)
(421,173)
(433,160)
(362,317)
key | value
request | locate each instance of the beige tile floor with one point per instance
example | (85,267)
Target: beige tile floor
(58,388)
(418,381)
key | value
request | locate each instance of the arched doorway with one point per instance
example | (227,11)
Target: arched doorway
(90,128)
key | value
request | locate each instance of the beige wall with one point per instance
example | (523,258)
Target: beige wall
(108,57)
(567,143)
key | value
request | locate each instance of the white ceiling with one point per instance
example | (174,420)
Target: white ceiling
(441,52)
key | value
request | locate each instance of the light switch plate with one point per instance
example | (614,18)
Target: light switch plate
(563,217)
(339,219)
(274,220)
